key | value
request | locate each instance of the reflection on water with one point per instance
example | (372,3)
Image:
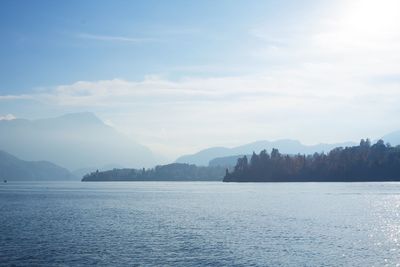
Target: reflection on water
(197,224)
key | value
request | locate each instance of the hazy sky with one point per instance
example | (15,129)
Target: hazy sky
(178,76)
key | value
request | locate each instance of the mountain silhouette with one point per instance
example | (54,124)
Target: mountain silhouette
(76,141)
(15,169)
(393,138)
(216,155)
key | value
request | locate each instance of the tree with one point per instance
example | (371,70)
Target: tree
(378,162)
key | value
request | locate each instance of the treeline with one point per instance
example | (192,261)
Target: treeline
(366,162)
(170,172)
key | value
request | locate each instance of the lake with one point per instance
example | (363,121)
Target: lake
(200,224)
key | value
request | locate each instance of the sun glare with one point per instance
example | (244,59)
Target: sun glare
(371,17)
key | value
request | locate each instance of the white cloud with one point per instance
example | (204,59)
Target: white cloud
(111,38)
(7,117)
(314,103)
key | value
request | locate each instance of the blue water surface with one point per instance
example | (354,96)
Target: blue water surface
(199,224)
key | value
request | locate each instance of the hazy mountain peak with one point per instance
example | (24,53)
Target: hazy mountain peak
(75,140)
(73,119)
(81,116)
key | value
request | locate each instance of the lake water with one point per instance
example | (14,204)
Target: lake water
(200,224)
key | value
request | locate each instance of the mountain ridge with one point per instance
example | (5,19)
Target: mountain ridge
(289,146)
(15,169)
(74,140)
(393,138)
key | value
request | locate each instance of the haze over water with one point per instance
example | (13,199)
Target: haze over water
(200,223)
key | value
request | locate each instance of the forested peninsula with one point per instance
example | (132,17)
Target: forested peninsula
(169,172)
(362,163)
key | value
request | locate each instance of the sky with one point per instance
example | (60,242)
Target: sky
(179,76)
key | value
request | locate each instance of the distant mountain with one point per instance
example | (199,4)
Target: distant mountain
(287,146)
(393,138)
(203,157)
(75,141)
(14,169)
(226,161)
